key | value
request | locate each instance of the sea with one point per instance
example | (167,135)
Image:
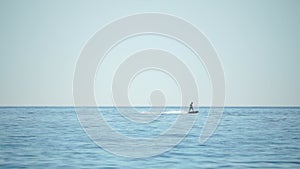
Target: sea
(54,137)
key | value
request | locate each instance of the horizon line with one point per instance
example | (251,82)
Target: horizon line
(72,106)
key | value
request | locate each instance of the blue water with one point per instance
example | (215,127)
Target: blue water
(52,137)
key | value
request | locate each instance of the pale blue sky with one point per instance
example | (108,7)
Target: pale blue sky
(257,42)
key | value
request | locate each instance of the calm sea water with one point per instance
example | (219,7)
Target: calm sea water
(52,137)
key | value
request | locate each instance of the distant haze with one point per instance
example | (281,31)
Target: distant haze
(257,43)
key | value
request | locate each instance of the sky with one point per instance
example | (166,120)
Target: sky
(257,42)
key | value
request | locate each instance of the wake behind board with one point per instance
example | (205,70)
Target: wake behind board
(192,112)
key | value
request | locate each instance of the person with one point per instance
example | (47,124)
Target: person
(191,107)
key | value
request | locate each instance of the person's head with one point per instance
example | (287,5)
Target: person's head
(192,102)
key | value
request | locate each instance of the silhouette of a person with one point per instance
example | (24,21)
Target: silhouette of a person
(191,107)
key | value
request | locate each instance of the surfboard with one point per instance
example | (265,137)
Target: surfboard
(193,112)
